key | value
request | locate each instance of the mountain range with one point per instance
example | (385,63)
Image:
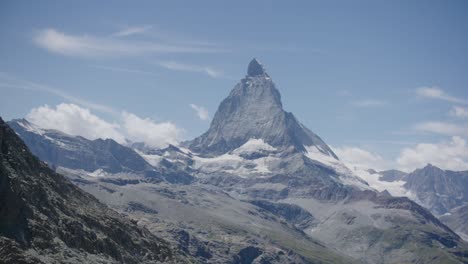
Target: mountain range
(260,187)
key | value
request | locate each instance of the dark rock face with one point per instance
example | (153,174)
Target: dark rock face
(253,109)
(255,68)
(439,190)
(59,149)
(191,245)
(393,175)
(54,220)
(247,255)
(290,212)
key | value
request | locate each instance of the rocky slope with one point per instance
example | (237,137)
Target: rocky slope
(47,219)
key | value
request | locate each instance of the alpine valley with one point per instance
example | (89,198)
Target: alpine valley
(257,187)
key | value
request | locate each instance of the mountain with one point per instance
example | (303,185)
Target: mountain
(59,149)
(99,157)
(251,137)
(443,192)
(438,190)
(265,189)
(47,219)
(253,109)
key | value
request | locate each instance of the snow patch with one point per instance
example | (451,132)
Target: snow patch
(373,179)
(98,173)
(254,145)
(153,160)
(31,127)
(347,176)
(233,164)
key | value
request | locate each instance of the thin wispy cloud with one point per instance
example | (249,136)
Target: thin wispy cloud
(177,66)
(120,69)
(443,128)
(11,82)
(129,31)
(343,93)
(389,142)
(369,103)
(96,46)
(437,93)
(201,111)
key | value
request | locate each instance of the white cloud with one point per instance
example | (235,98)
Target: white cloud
(437,93)
(369,103)
(176,66)
(148,131)
(459,111)
(74,120)
(449,155)
(452,155)
(95,46)
(201,111)
(128,31)
(358,157)
(443,128)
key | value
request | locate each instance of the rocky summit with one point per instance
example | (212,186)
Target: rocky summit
(253,109)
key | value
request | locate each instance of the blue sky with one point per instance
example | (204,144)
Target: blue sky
(382,77)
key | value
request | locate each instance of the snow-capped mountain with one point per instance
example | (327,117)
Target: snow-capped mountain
(253,110)
(259,183)
(75,152)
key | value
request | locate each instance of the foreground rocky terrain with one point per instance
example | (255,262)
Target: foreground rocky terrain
(257,187)
(47,219)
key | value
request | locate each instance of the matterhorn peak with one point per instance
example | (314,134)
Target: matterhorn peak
(253,110)
(255,68)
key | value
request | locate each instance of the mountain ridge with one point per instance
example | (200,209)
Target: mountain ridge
(45,216)
(262,182)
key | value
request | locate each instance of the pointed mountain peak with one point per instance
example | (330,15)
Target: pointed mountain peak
(255,68)
(429,166)
(253,110)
